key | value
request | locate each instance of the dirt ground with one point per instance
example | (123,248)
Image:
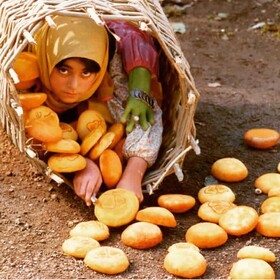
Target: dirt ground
(35,217)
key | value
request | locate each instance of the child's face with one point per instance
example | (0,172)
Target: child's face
(71,80)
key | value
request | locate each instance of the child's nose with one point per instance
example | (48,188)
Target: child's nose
(73,83)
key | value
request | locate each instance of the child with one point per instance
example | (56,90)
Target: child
(74,59)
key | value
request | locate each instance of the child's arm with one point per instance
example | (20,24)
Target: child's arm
(87,182)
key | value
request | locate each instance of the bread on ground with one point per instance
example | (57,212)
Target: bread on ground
(141,235)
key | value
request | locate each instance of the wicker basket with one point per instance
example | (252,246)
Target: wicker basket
(20,19)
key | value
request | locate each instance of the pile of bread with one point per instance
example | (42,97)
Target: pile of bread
(69,144)
(220,218)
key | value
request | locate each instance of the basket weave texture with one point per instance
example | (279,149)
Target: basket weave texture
(20,19)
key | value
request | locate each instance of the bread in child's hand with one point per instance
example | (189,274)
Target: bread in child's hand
(156,215)
(103,144)
(110,167)
(211,211)
(68,131)
(186,263)
(229,170)
(215,192)
(269,224)
(141,235)
(116,207)
(256,252)
(251,269)
(32,100)
(92,229)
(261,138)
(67,146)
(239,220)
(79,246)
(66,163)
(107,260)
(206,235)
(88,121)
(176,203)
(267,181)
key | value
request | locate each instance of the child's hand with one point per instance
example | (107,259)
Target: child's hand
(87,182)
(134,108)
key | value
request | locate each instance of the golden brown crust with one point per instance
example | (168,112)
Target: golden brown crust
(66,163)
(110,167)
(251,269)
(211,211)
(239,220)
(141,235)
(261,138)
(256,252)
(206,235)
(267,181)
(79,246)
(269,224)
(116,207)
(92,229)
(216,192)
(156,215)
(229,170)
(88,121)
(176,203)
(106,259)
(185,263)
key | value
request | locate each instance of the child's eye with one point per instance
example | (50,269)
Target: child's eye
(87,73)
(63,70)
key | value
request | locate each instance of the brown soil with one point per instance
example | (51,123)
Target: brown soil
(35,217)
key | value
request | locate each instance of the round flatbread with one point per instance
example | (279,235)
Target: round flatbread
(261,138)
(29,101)
(185,263)
(176,203)
(110,168)
(88,121)
(239,220)
(267,181)
(229,170)
(103,144)
(215,192)
(251,269)
(211,211)
(79,246)
(66,163)
(156,215)
(68,131)
(106,259)
(271,204)
(141,235)
(269,224)
(256,252)
(67,146)
(206,235)
(116,207)
(92,229)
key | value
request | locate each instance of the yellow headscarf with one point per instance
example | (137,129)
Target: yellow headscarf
(72,37)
